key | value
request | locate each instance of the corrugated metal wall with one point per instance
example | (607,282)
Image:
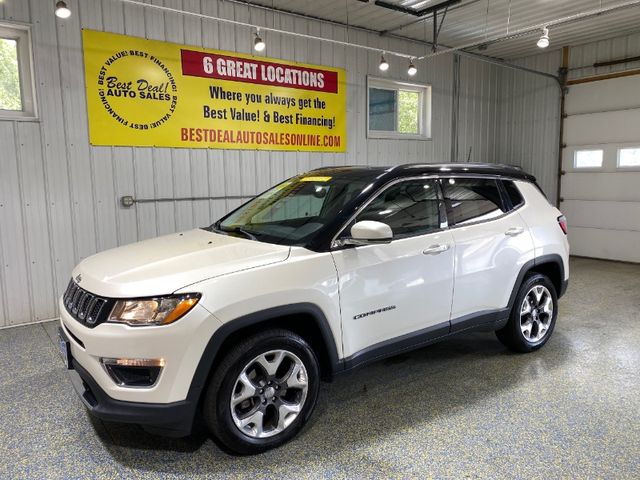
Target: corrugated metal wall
(477,118)
(59,196)
(529,120)
(510,116)
(582,57)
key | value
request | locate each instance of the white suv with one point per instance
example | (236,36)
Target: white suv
(324,272)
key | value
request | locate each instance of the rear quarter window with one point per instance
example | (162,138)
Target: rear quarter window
(513,193)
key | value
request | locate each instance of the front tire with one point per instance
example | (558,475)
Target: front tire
(263,392)
(533,315)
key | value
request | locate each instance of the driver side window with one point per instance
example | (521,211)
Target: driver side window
(410,208)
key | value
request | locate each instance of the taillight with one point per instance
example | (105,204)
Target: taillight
(562,221)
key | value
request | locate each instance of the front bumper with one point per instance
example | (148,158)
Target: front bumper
(170,419)
(179,345)
(167,407)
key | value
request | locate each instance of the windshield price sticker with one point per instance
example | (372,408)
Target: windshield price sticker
(315,179)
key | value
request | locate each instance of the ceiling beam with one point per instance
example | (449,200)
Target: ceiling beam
(413,22)
(418,13)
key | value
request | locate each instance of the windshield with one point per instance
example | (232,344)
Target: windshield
(292,212)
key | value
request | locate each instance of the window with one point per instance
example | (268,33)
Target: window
(513,193)
(629,157)
(410,208)
(471,200)
(16,86)
(398,109)
(588,158)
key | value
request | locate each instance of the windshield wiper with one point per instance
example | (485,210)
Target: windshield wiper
(239,230)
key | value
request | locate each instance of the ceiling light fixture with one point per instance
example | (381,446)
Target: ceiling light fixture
(384,65)
(412,70)
(62,11)
(258,43)
(543,41)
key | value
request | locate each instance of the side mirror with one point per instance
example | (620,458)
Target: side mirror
(369,232)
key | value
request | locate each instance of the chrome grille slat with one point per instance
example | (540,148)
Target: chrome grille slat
(98,309)
(85,307)
(89,309)
(84,304)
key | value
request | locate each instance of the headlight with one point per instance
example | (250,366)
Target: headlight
(153,311)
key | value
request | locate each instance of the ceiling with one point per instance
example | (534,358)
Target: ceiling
(477,21)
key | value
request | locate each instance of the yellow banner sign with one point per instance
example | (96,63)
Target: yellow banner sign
(150,93)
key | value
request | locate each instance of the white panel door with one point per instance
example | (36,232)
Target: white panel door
(600,195)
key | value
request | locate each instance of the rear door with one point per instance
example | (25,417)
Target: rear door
(400,288)
(491,245)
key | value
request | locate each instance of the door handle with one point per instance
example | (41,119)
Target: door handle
(436,249)
(513,231)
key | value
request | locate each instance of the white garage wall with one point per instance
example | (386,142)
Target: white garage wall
(59,196)
(477,118)
(510,116)
(529,119)
(614,48)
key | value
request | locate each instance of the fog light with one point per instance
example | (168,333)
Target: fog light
(133,372)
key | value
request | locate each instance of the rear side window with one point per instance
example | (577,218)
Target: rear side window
(410,208)
(471,200)
(513,193)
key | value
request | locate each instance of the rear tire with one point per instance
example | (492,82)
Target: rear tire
(262,392)
(533,315)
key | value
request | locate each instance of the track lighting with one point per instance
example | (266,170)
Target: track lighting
(62,11)
(543,42)
(384,66)
(412,70)
(258,43)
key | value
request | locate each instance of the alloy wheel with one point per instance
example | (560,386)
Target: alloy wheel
(269,393)
(536,313)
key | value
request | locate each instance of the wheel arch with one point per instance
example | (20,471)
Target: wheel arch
(305,319)
(554,270)
(550,265)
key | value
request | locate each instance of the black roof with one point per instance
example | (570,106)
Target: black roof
(413,169)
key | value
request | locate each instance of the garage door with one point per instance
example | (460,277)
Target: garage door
(601,187)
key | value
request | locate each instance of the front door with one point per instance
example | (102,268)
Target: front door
(404,287)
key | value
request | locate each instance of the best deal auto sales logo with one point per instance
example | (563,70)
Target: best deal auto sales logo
(137,89)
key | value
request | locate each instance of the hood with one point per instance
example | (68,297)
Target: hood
(162,265)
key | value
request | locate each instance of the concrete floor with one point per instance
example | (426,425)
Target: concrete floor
(466,408)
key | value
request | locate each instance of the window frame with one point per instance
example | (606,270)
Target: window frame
(629,168)
(336,244)
(22,34)
(587,149)
(424,108)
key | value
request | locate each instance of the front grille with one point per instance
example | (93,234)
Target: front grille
(85,307)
